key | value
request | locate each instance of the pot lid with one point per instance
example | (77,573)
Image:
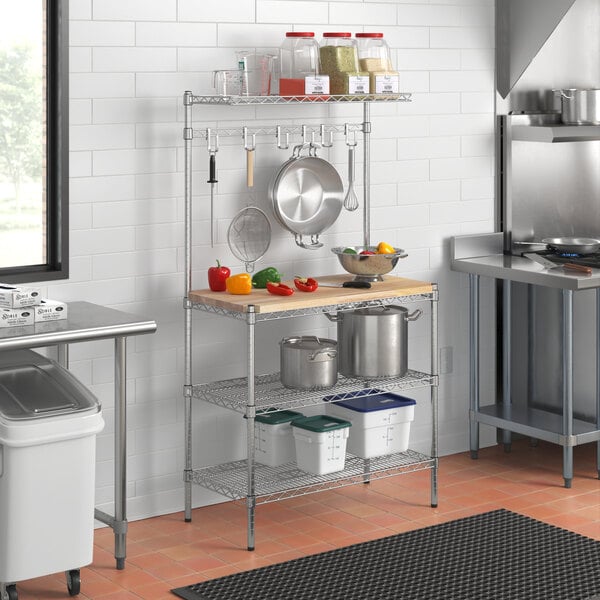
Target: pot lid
(309,342)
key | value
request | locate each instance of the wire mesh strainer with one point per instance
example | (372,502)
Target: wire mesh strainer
(249,236)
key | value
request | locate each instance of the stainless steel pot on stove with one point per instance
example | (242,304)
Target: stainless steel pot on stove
(373,342)
(308,362)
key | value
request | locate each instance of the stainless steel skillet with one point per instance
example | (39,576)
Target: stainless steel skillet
(571,245)
(307,195)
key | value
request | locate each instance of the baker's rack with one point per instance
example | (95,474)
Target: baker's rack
(245,479)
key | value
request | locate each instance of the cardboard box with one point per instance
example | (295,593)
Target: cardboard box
(49,310)
(16,317)
(18,297)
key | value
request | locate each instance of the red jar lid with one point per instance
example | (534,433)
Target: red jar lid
(300,34)
(337,34)
(369,35)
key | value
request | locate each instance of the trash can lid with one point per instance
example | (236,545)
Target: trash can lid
(39,387)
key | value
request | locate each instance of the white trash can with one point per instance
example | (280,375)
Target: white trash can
(48,427)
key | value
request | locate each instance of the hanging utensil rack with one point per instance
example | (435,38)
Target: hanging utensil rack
(245,479)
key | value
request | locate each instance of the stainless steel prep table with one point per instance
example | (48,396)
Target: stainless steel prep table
(481,255)
(88,322)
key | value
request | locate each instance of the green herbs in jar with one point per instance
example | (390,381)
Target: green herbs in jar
(340,63)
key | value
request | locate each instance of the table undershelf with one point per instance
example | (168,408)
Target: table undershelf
(288,481)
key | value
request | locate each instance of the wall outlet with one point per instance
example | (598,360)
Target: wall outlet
(446,360)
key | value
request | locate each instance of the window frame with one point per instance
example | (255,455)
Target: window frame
(57,153)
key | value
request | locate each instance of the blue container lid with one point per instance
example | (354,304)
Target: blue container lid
(377,400)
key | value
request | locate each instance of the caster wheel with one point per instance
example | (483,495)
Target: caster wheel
(73,582)
(11,592)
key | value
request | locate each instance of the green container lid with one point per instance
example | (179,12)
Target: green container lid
(321,423)
(278,417)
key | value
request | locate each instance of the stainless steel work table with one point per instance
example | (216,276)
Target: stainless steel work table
(87,322)
(481,255)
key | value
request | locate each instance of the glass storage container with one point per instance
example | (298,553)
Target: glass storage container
(339,60)
(374,57)
(298,59)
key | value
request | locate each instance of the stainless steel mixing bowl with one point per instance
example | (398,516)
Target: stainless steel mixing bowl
(367,267)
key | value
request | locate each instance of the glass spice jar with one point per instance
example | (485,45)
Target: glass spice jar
(298,59)
(374,57)
(339,59)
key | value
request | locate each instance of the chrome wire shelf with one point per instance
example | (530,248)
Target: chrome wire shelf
(240,100)
(288,481)
(312,310)
(271,395)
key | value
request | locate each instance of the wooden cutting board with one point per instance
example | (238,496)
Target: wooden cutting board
(264,302)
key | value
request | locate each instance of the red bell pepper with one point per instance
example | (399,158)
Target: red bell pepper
(306,284)
(279,289)
(369,252)
(217,276)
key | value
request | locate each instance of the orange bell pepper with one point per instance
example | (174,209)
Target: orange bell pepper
(383,248)
(239,284)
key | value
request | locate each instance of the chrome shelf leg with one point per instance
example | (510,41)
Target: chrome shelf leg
(598,377)
(250,415)
(506,366)
(474,363)
(567,391)
(434,397)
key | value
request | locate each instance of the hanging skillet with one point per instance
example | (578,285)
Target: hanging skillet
(307,195)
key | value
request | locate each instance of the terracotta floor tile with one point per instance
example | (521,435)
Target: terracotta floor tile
(165,552)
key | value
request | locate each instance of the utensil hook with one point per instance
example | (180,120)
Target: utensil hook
(329,142)
(281,145)
(304,134)
(350,136)
(249,146)
(210,136)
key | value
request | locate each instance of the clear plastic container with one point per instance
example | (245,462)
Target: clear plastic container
(339,59)
(374,57)
(298,59)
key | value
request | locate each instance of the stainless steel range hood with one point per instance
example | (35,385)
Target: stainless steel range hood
(522,28)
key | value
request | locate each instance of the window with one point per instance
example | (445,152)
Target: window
(34,158)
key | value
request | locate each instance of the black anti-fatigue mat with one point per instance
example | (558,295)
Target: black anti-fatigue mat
(497,555)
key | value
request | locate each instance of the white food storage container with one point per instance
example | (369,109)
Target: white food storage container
(48,427)
(380,422)
(320,443)
(273,438)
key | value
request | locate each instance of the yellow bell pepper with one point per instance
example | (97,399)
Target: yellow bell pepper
(383,248)
(239,284)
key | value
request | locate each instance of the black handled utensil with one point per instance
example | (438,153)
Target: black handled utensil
(212,179)
(347,284)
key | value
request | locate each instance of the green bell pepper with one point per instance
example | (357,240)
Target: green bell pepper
(259,280)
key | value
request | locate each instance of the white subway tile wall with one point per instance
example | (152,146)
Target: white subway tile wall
(432,178)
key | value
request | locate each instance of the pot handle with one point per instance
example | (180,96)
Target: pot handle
(330,353)
(563,94)
(332,317)
(314,242)
(413,316)
(297,151)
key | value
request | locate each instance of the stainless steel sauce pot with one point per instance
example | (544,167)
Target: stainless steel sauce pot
(580,107)
(373,342)
(308,362)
